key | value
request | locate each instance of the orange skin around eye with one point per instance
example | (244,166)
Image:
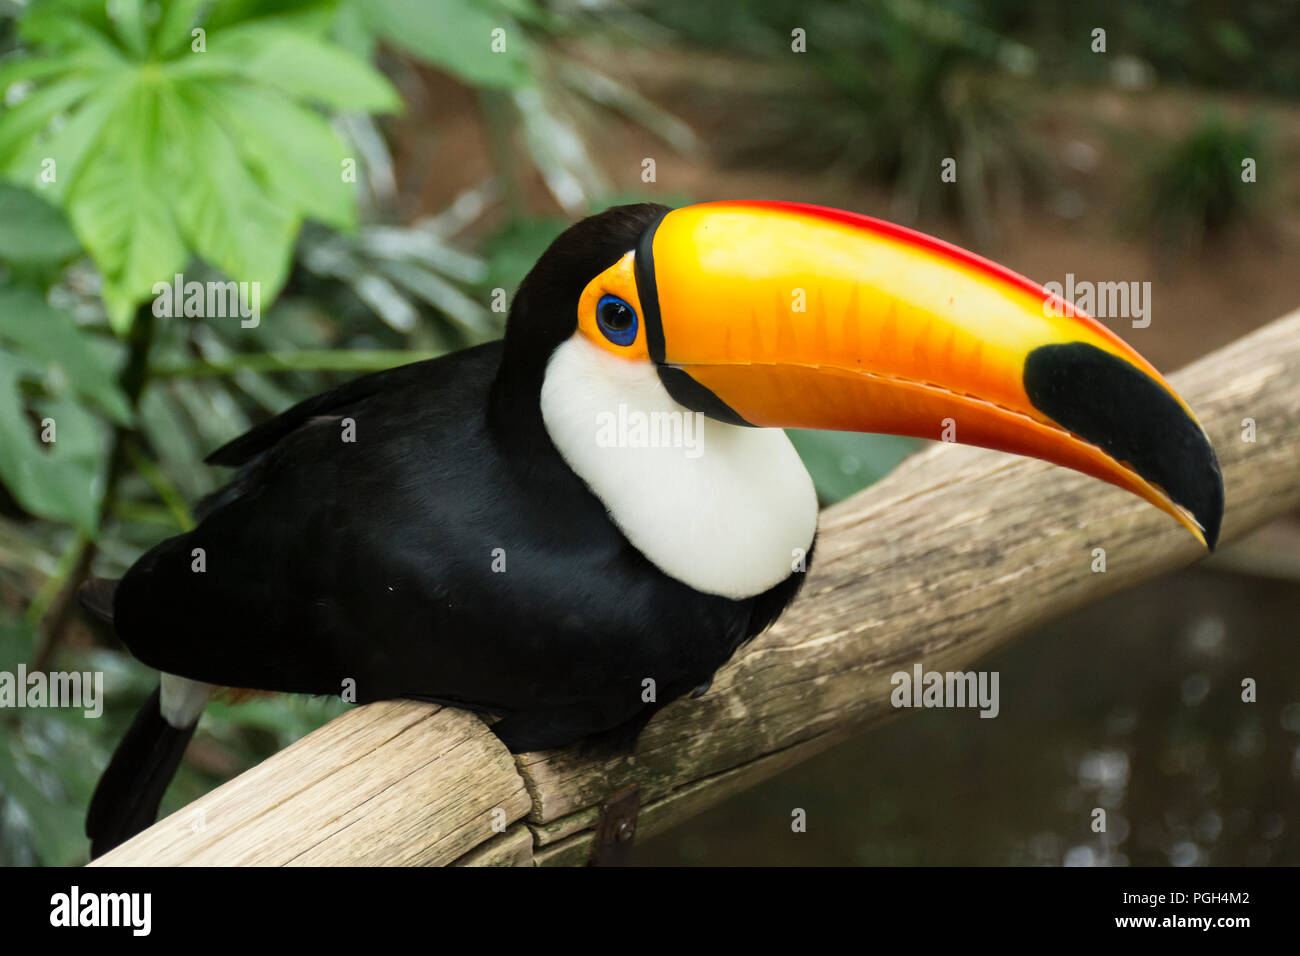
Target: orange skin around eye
(620,280)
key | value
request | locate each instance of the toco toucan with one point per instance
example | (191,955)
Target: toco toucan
(534,527)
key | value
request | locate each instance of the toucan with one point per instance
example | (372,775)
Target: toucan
(486,529)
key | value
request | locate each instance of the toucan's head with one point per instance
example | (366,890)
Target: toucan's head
(777,314)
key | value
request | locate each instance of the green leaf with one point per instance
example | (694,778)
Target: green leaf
(20,68)
(54,825)
(42,347)
(81,25)
(224,214)
(457,35)
(303,66)
(172,436)
(57,480)
(36,330)
(18,639)
(313,16)
(128,23)
(66,149)
(353,32)
(843,463)
(174,33)
(515,249)
(163,153)
(121,215)
(294,152)
(19,125)
(32,230)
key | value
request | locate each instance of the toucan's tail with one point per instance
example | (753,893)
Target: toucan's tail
(126,800)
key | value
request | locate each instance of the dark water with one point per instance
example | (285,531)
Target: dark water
(1133,705)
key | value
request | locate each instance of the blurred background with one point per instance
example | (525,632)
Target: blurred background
(128,155)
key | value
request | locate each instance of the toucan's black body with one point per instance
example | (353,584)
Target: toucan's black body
(380,561)
(447,553)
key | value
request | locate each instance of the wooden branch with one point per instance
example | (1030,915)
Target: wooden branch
(951,556)
(397,782)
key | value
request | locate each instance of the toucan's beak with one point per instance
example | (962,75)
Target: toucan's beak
(787,315)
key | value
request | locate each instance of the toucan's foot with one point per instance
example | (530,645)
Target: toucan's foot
(617,741)
(527,731)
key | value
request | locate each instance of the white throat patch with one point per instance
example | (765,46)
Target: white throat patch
(726,509)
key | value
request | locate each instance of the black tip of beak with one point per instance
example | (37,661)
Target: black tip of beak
(1133,418)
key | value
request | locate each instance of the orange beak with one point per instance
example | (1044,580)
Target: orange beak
(795,316)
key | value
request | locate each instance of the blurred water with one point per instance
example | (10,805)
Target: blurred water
(1133,706)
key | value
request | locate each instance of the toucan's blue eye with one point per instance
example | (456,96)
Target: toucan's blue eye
(617,320)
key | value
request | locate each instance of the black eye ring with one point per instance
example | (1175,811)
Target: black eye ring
(617,320)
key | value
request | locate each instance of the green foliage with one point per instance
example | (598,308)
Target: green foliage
(514,249)
(205,152)
(843,463)
(456,35)
(1193,190)
(162,143)
(217,153)
(33,232)
(890,89)
(402,274)
(53,375)
(51,759)
(1219,45)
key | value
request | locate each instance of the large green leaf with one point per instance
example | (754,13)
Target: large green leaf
(128,19)
(162,153)
(51,162)
(312,69)
(33,113)
(80,27)
(16,69)
(303,66)
(121,214)
(175,32)
(219,205)
(292,151)
(313,16)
